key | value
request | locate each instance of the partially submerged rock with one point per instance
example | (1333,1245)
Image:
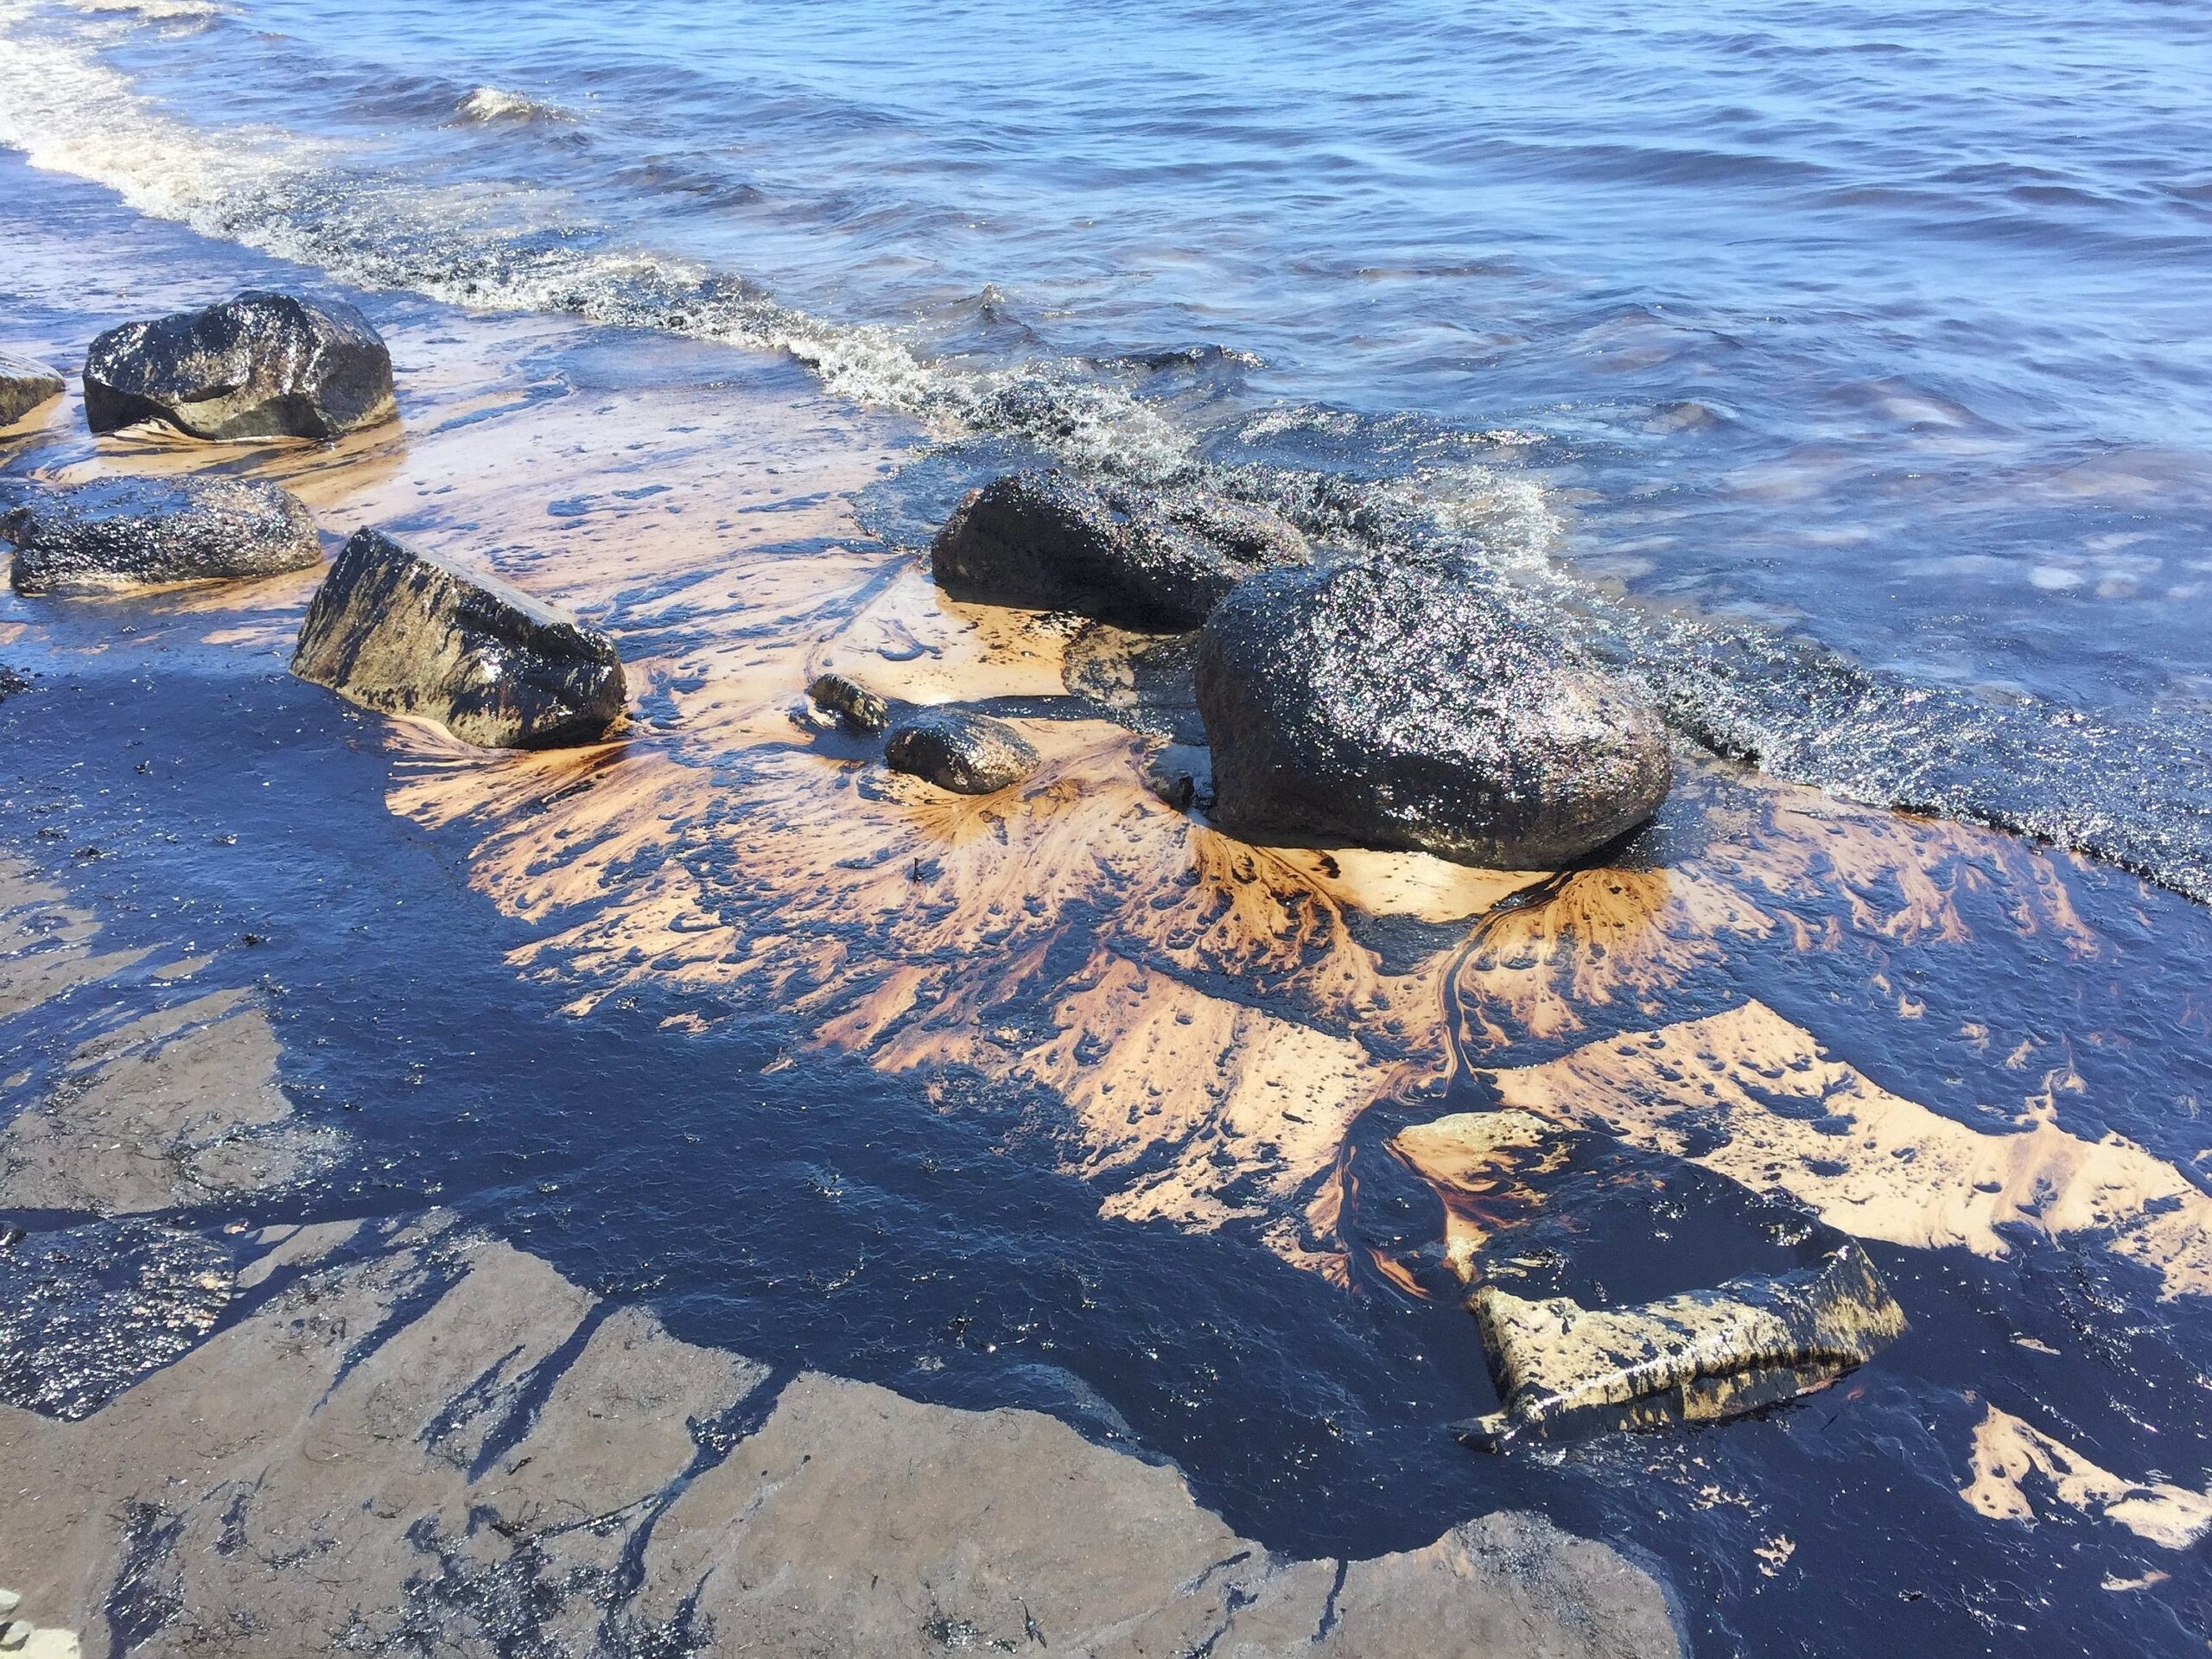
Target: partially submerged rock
(1390,705)
(970,754)
(24,385)
(1564,1369)
(403,632)
(128,532)
(263,365)
(1159,560)
(854,706)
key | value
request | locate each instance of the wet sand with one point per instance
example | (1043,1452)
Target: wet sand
(1774,1011)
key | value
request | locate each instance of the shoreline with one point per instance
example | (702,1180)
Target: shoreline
(1208,1039)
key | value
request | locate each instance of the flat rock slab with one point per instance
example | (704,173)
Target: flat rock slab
(405,631)
(969,754)
(24,385)
(1700,1357)
(1384,704)
(115,533)
(263,365)
(1143,559)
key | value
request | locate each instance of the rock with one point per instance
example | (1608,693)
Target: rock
(1696,1357)
(1388,705)
(970,754)
(1158,561)
(856,707)
(408,633)
(131,532)
(263,365)
(24,385)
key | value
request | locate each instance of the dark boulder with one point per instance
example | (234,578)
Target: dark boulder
(854,707)
(1158,560)
(263,365)
(970,754)
(23,386)
(131,532)
(408,633)
(1388,705)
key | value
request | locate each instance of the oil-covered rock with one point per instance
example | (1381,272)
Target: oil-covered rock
(1159,560)
(1383,704)
(128,532)
(406,631)
(24,385)
(1562,1367)
(263,365)
(970,754)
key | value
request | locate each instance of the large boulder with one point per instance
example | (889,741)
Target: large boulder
(1159,560)
(1382,704)
(263,365)
(970,754)
(23,386)
(128,532)
(405,631)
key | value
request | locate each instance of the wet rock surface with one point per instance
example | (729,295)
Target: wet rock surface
(1390,705)
(24,385)
(116,533)
(1700,1357)
(1148,560)
(968,753)
(853,707)
(406,631)
(263,365)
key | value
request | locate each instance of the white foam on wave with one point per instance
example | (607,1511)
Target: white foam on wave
(151,11)
(489,104)
(311,201)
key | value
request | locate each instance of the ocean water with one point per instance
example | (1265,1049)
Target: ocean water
(1840,370)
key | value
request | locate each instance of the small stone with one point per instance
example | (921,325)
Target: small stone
(855,708)
(263,365)
(403,632)
(128,532)
(970,754)
(24,385)
(9,1602)
(14,1634)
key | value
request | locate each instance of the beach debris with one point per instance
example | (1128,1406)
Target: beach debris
(127,532)
(24,385)
(1385,704)
(1156,560)
(855,708)
(262,366)
(970,754)
(1562,1369)
(406,631)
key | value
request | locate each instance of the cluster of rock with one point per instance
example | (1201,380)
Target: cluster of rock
(390,629)
(956,749)
(1370,701)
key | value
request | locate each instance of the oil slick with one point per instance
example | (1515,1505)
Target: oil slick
(1753,1097)
(2015,1464)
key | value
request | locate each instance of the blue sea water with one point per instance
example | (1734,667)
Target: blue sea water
(1860,349)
